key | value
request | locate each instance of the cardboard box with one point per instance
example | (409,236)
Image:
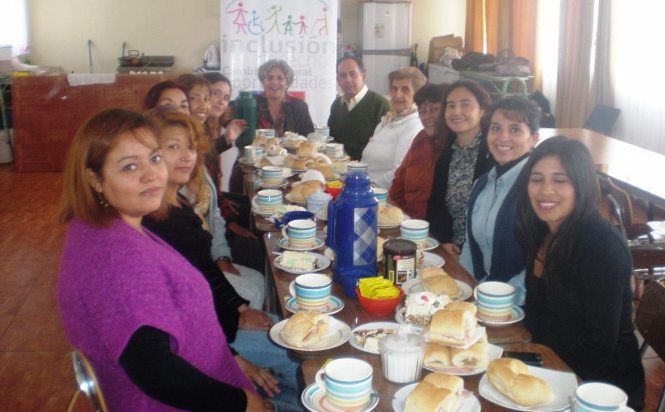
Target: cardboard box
(437,44)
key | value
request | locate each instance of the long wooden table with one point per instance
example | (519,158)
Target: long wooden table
(640,171)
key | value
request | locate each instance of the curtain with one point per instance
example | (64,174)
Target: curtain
(474,33)
(574,78)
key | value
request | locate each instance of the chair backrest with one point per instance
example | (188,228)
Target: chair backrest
(650,317)
(616,214)
(602,119)
(625,202)
(87,381)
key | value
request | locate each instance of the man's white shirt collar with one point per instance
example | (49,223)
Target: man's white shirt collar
(357,98)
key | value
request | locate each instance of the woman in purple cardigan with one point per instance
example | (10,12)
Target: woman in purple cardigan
(137,309)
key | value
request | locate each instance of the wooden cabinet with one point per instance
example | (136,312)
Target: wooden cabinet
(47,112)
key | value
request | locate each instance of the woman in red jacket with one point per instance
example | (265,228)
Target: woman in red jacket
(412,184)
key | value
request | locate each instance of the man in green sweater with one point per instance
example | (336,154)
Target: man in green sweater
(355,114)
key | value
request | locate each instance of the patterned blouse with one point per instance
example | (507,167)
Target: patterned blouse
(460,183)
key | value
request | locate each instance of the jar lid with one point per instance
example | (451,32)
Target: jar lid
(402,342)
(399,247)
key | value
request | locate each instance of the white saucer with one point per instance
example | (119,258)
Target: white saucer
(338,334)
(281,185)
(431,244)
(371,325)
(432,260)
(324,262)
(333,306)
(516,316)
(336,176)
(416,286)
(284,244)
(315,400)
(469,401)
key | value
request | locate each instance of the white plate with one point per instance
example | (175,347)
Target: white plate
(371,325)
(336,176)
(338,333)
(477,334)
(493,352)
(416,286)
(469,401)
(563,384)
(289,199)
(400,318)
(324,262)
(431,244)
(277,186)
(516,316)
(284,244)
(315,400)
(432,260)
(334,305)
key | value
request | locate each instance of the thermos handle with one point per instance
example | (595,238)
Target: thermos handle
(330,239)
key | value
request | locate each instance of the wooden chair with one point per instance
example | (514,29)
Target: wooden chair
(650,322)
(87,383)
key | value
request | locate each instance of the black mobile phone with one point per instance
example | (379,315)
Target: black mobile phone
(530,358)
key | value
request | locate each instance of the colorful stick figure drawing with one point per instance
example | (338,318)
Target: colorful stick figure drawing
(288,26)
(324,20)
(302,24)
(274,10)
(239,20)
(254,26)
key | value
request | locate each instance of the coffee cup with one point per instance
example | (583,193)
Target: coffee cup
(266,132)
(260,152)
(356,167)
(495,300)
(381,195)
(324,131)
(249,154)
(269,200)
(415,230)
(347,383)
(301,233)
(317,203)
(334,150)
(272,175)
(311,290)
(599,397)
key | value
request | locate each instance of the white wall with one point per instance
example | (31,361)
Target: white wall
(59,29)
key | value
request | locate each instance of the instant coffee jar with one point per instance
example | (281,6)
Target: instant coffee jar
(399,260)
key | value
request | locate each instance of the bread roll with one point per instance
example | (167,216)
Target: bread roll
(325,170)
(264,162)
(426,397)
(437,356)
(511,377)
(297,163)
(441,380)
(273,141)
(307,150)
(452,327)
(322,159)
(474,357)
(260,141)
(379,248)
(442,285)
(305,328)
(390,215)
(462,306)
(431,271)
(300,192)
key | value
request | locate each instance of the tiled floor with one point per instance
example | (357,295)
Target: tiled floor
(35,369)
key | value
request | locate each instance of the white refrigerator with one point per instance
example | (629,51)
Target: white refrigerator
(386,40)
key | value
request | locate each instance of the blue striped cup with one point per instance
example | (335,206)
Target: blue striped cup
(495,300)
(269,200)
(356,167)
(347,383)
(599,397)
(266,132)
(272,175)
(311,290)
(381,195)
(301,233)
(415,230)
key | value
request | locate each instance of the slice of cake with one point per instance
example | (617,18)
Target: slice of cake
(420,307)
(369,338)
(299,261)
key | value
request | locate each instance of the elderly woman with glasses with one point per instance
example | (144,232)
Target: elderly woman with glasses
(275,108)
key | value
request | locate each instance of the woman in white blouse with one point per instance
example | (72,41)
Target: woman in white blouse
(393,135)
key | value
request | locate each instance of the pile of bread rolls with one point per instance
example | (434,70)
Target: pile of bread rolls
(302,190)
(511,377)
(437,392)
(454,325)
(390,215)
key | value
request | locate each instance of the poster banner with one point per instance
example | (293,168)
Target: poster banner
(302,32)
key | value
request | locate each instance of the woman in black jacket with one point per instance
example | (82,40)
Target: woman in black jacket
(578,295)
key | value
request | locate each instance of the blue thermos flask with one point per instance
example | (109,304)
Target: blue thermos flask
(352,231)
